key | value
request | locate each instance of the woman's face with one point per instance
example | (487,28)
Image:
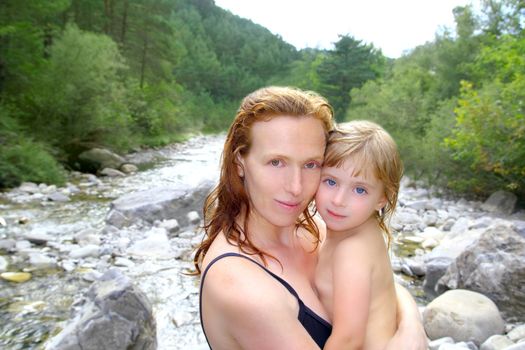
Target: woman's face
(282,169)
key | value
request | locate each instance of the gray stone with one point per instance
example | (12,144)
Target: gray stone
(435,269)
(3,223)
(435,344)
(87,236)
(495,266)
(3,264)
(517,334)
(157,204)
(99,158)
(110,172)
(502,202)
(519,346)
(128,168)
(496,342)
(156,245)
(40,261)
(29,187)
(38,238)
(57,197)
(459,228)
(85,251)
(519,226)
(463,315)
(7,244)
(115,315)
(193,217)
(172,226)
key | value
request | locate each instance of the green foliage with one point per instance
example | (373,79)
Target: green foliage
(349,66)
(22,159)
(80,95)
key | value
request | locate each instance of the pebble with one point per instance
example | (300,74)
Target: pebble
(193,217)
(3,223)
(18,277)
(85,251)
(3,264)
(517,333)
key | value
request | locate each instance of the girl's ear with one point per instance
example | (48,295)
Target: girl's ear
(240,166)
(381,204)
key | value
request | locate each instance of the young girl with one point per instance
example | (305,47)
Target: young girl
(358,192)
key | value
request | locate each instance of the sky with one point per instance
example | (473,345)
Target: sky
(391,25)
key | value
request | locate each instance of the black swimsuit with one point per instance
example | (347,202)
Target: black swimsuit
(317,327)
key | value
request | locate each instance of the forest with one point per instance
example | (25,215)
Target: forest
(126,74)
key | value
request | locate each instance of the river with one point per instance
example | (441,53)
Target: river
(35,310)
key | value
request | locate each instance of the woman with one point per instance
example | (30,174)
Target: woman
(259,258)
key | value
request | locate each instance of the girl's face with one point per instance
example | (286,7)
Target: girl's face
(282,168)
(346,201)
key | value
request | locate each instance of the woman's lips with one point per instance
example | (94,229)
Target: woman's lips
(288,205)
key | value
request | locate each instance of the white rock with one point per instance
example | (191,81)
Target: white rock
(435,344)
(496,342)
(123,262)
(3,264)
(156,245)
(193,217)
(3,223)
(41,261)
(85,251)
(517,333)
(172,226)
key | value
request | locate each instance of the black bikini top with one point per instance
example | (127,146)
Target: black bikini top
(317,327)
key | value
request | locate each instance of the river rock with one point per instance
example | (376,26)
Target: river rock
(156,204)
(156,245)
(128,168)
(435,344)
(110,172)
(99,158)
(18,277)
(495,266)
(519,346)
(87,236)
(502,202)
(41,261)
(193,217)
(3,223)
(463,315)
(38,238)
(115,315)
(496,342)
(3,264)
(7,244)
(85,251)
(172,226)
(517,334)
(29,187)
(57,197)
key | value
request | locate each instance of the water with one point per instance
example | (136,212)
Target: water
(32,311)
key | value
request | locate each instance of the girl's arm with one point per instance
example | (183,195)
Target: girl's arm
(410,334)
(351,295)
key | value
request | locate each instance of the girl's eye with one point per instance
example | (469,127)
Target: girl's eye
(330,182)
(275,162)
(311,165)
(360,190)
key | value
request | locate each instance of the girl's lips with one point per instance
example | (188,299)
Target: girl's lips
(337,216)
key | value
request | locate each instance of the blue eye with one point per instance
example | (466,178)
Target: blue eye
(330,182)
(360,190)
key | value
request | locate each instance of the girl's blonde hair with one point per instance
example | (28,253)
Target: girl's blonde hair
(375,153)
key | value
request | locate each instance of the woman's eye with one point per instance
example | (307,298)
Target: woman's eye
(275,162)
(360,190)
(311,165)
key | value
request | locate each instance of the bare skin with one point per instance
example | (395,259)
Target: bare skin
(242,306)
(354,276)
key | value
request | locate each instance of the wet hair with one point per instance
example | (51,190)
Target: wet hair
(228,201)
(375,153)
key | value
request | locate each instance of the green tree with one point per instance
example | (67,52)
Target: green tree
(348,66)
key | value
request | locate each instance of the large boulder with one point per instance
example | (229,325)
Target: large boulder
(441,257)
(115,315)
(495,266)
(502,202)
(97,159)
(463,315)
(157,204)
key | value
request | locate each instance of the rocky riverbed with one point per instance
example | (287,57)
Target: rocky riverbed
(62,249)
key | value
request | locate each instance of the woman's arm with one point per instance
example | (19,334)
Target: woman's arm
(410,334)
